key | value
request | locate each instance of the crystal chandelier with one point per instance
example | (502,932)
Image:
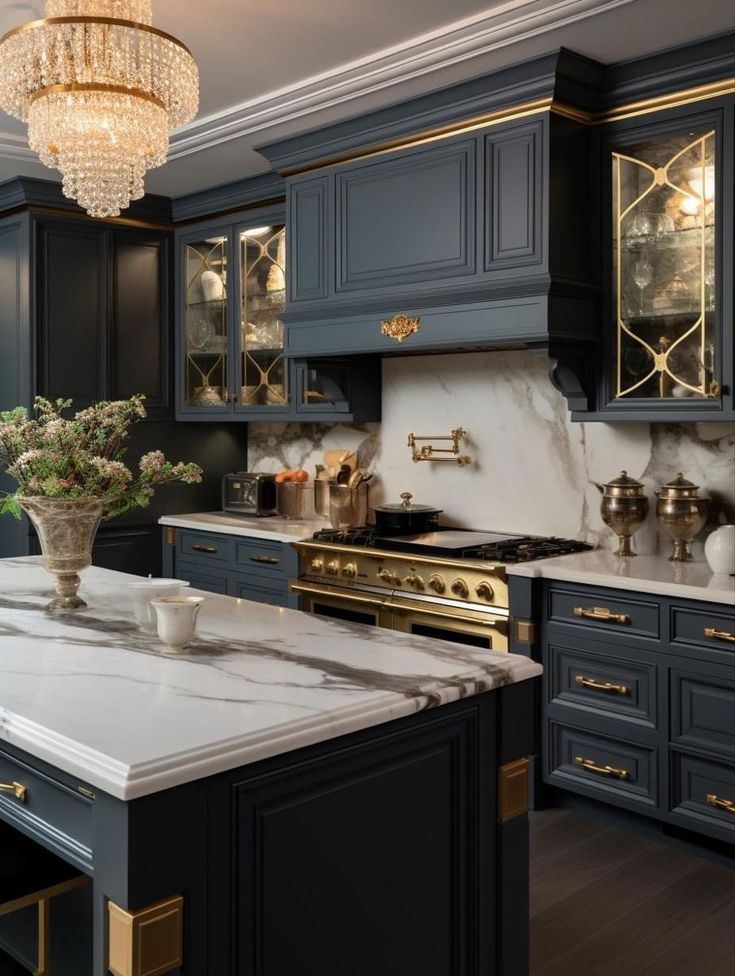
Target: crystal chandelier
(100,89)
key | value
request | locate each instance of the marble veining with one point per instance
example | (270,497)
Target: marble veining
(533,469)
(92,694)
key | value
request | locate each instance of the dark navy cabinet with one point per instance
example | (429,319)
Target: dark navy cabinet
(638,704)
(86,314)
(232,565)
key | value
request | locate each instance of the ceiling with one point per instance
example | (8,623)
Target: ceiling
(271,70)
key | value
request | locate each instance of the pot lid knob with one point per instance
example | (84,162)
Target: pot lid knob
(625,481)
(406,496)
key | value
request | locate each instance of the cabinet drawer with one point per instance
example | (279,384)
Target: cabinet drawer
(261,558)
(713,629)
(203,547)
(603,611)
(703,794)
(252,588)
(210,579)
(609,684)
(57,816)
(597,765)
(703,709)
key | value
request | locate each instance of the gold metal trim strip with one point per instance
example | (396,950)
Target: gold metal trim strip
(10,907)
(310,590)
(109,21)
(148,942)
(686,96)
(513,790)
(540,107)
(93,87)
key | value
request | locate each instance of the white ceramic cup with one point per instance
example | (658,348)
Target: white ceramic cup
(177,617)
(143,591)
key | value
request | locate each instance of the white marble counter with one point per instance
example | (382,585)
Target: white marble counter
(91,694)
(647,574)
(276,528)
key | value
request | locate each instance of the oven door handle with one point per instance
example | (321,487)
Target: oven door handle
(356,598)
(447,616)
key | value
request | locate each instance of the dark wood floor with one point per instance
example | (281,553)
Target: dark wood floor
(608,903)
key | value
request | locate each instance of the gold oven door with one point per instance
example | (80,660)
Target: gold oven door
(341,604)
(452,623)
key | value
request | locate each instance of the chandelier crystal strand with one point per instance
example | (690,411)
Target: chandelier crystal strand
(101,90)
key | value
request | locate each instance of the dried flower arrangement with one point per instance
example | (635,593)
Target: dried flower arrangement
(52,456)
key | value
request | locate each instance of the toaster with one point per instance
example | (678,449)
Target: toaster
(249,493)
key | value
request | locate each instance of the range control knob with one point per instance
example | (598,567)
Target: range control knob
(332,567)
(350,571)
(317,565)
(484,590)
(460,588)
(415,581)
(437,583)
(386,576)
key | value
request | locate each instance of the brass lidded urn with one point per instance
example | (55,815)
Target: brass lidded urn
(681,514)
(624,509)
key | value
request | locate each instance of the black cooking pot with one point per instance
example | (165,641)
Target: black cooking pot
(406,518)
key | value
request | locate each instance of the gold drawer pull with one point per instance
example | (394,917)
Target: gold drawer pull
(714,801)
(601,613)
(211,549)
(591,767)
(400,327)
(719,634)
(17,789)
(601,685)
(269,560)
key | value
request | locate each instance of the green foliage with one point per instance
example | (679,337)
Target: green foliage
(81,457)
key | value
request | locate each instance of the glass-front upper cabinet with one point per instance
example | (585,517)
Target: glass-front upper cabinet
(206,335)
(664,269)
(262,367)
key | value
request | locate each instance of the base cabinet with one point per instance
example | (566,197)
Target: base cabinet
(239,566)
(639,705)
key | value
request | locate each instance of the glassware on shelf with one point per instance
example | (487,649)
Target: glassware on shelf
(664,274)
(205,269)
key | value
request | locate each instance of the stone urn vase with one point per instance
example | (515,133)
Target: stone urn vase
(66,529)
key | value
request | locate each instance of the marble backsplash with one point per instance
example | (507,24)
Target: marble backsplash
(532,470)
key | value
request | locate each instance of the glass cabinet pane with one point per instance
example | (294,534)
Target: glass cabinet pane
(263,373)
(664,267)
(206,322)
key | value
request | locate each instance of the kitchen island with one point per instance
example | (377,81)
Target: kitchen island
(292,793)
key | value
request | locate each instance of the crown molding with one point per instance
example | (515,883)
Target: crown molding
(471,37)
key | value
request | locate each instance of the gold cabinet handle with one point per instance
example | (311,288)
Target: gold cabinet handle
(269,560)
(400,327)
(719,634)
(601,613)
(714,801)
(592,767)
(601,685)
(17,789)
(211,549)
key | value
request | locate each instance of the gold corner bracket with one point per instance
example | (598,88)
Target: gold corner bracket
(148,942)
(513,790)
(427,452)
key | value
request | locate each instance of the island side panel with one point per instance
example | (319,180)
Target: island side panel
(378,852)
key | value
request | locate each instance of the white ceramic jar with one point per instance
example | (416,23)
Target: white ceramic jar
(177,617)
(720,550)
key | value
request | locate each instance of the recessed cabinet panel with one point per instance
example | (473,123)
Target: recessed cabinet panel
(307,253)
(514,195)
(703,710)
(405,220)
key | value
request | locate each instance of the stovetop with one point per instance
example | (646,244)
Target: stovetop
(457,544)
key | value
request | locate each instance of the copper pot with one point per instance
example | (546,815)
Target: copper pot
(681,514)
(624,509)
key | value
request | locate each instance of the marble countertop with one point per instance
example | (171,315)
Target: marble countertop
(93,695)
(274,527)
(647,574)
